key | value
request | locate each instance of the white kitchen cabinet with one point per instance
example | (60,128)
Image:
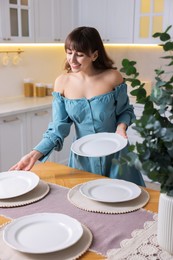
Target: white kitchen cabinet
(21,132)
(16,21)
(54,19)
(112,18)
(152,16)
(12,140)
(63,155)
(37,123)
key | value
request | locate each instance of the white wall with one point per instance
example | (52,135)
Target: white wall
(45,63)
(147,58)
(41,63)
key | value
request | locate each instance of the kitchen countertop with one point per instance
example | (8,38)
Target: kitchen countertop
(21,104)
(14,105)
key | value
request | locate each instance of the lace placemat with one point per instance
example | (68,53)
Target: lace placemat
(82,202)
(73,252)
(38,193)
(142,246)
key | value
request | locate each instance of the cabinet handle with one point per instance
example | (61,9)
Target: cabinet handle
(42,113)
(57,40)
(6,39)
(10,120)
(105,40)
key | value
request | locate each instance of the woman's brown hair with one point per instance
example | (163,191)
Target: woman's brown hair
(87,40)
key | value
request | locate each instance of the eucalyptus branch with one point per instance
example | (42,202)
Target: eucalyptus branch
(154,156)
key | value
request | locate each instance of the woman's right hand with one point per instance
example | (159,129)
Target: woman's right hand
(27,161)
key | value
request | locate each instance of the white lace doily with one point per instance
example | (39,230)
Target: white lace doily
(142,246)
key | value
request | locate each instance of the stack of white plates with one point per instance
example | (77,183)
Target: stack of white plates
(17,183)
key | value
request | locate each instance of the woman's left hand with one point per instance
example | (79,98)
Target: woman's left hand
(121,130)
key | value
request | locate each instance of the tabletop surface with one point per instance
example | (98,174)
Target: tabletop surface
(69,177)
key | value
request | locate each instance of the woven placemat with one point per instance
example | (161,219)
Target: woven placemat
(76,198)
(70,253)
(38,193)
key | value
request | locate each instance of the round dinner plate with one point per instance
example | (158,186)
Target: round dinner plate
(42,233)
(99,144)
(16,183)
(110,190)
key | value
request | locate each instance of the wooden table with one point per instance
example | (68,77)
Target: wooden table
(69,177)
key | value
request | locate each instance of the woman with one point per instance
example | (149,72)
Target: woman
(92,95)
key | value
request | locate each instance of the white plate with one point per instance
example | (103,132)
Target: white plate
(110,190)
(100,144)
(16,183)
(42,233)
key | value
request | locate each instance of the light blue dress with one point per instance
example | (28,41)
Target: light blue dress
(98,114)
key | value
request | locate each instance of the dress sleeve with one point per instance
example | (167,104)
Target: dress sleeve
(124,111)
(57,130)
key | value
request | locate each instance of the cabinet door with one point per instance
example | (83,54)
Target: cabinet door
(93,13)
(112,18)
(151,16)
(62,156)
(54,19)
(12,140)
(64,19)
(119,21)
(37,123)
(43,20)
(17,21)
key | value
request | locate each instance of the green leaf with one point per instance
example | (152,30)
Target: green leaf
(168,28)
(131,148)
(156,35)
(164,37)
(130,70)
(171,63)
(168,46)
(135,82)
(125,62)
(156,94)
(159,71)
(167,57)
(132,63)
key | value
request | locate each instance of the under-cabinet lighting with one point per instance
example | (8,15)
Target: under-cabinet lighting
(62,44)
(30,44)
(131,45)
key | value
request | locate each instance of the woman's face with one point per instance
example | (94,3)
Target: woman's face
(79,61)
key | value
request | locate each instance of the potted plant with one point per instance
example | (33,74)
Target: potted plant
(154,156)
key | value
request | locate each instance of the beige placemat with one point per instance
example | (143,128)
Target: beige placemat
(80,201)
(70,253)
(39,192)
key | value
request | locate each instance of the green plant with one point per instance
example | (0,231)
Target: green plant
(154,156)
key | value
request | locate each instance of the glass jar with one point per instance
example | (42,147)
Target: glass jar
(40,90)
(28,88)
(49,89)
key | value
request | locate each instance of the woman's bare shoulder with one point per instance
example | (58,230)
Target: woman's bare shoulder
(60,82)
(114,77)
